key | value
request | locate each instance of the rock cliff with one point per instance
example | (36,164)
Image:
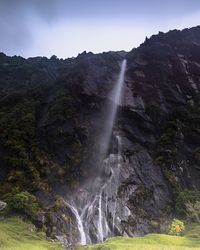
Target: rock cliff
(52,113)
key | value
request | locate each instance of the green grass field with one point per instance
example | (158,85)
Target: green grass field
(191,241)
(16,235)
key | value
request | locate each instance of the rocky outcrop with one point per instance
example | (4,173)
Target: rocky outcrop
(164,71)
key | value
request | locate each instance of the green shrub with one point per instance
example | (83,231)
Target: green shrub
(193,211)
(185,197)
(176,228)
(25,203)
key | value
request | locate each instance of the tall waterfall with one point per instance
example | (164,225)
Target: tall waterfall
(96,217)
(112,111)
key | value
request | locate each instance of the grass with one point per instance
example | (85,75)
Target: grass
(193,231)
(16,234)
(191,241)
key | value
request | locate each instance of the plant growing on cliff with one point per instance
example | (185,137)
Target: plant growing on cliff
(193,211)
(177,227)
(24,203)
(186,197)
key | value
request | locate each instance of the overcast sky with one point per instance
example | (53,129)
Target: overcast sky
(68,27)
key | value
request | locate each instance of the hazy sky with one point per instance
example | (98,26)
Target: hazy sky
(68,27)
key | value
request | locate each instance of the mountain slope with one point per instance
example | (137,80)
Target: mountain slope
(52,112)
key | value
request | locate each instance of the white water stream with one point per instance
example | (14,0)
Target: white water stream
(79,224)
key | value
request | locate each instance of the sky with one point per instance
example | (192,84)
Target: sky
(66,28)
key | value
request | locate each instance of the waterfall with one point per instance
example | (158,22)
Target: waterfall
(95,220)
(112,111)
(100,220)
(79,223)
(117,176)
(118,89)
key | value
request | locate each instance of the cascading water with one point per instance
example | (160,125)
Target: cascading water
(100,222)
(117,175)
(79,224)
(112,111)
(95,221)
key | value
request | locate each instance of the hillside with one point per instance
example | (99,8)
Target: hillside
(18,235)
(52,112)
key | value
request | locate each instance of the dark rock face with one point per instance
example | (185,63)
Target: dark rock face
(63,104)
(163,79)
(164,71)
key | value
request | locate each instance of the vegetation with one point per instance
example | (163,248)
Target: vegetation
(177,227)
(185,200)
(18,235)
(191,241)
(192,230)
(176,131)
(24,203)
(27,162)
(149,242)
(193,211)
(166,151)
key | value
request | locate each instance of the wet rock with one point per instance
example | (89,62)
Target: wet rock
(3,205)
(40,220)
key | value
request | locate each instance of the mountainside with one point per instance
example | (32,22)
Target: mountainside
(52,114)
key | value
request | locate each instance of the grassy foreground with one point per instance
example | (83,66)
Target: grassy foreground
(17,235)
(152,242)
